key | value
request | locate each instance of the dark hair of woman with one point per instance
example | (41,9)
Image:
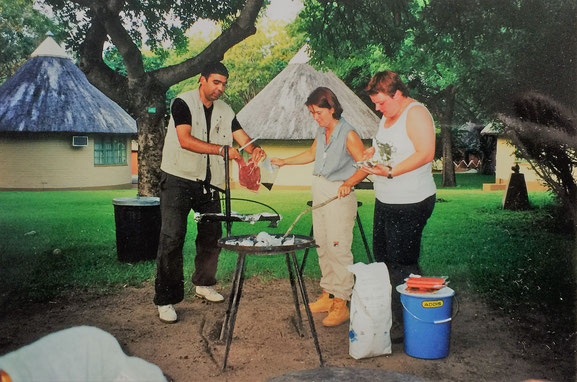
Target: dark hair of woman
(325,98)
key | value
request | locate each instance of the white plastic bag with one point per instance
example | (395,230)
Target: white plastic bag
(81,353)
(370,317)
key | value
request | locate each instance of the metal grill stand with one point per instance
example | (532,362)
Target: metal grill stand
(289,251)
(238,280)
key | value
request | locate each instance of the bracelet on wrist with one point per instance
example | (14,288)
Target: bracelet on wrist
(390,174)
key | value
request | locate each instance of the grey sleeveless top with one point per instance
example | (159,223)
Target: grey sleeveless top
(333,161)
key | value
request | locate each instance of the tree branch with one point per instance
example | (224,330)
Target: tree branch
(94,67)
(243,27)
(131,54)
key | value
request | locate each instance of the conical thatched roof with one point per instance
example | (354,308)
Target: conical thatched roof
(490,129)
(279,111)
(51,94)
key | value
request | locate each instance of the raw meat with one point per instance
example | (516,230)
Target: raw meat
(248,174)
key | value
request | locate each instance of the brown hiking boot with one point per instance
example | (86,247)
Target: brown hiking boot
(338,313)
(322,304)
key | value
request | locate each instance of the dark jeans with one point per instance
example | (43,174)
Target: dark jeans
(177,197)
(397,231)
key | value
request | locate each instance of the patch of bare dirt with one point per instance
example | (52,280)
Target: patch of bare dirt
(485,344)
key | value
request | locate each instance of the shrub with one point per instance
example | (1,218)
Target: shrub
(545,134)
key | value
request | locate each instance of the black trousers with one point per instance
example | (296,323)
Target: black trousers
(397,232)
(178,197)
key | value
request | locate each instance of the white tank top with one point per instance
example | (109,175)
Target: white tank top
(410,187)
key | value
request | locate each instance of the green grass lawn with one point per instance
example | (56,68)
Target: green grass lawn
(509,257)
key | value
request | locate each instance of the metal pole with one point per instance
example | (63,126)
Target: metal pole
(299,319)
(303,263)
(234,308)
(369,255)
(305,300)
(227,191)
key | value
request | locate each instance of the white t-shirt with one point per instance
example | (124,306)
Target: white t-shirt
(393,145)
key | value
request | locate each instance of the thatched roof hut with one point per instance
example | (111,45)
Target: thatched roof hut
(279,118)
(279,111)
(57,131)
(49,93)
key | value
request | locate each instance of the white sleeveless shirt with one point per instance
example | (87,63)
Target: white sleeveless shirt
(411,187)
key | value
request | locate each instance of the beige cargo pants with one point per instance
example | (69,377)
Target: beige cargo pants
(333,232)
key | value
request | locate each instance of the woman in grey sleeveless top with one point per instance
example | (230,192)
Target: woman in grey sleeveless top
(336,148)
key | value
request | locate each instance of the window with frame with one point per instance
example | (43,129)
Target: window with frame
(109,150)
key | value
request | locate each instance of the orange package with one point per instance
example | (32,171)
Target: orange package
(426,283)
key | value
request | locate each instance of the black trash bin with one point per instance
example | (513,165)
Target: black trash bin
(137,228)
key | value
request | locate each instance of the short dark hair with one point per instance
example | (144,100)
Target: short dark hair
(387,82)
(214,67)
(325,98)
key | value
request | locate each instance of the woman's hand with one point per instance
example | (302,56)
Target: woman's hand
(368,153)
(379,169)
(277,162)
(344,190)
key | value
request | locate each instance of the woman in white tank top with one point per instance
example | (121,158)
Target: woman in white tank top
(403,149)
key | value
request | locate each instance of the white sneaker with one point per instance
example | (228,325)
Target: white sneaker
(209,294)
(167,314)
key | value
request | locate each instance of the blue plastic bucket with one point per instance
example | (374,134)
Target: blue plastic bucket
(427,322)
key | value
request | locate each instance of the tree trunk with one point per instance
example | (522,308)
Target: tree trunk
(151,130)
(488,149)
(447,139)
(448,166)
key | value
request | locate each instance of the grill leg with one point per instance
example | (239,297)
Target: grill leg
(302,267)
(306,303)
(369,255)
(299,322)
(236,293)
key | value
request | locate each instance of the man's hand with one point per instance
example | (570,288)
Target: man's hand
(258,154)
(233,153)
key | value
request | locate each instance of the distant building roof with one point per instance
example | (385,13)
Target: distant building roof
(49,93)
(50,48)
(279,111)
(490,129)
